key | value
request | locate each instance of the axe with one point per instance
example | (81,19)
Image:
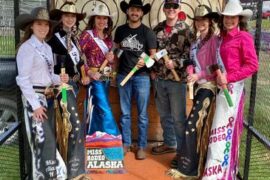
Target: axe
(164,54)
(190,70)
(216,69)
(149,62)
(116,51)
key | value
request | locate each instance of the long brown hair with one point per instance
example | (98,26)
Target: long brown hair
(107,30)
(211,29)
(242,24)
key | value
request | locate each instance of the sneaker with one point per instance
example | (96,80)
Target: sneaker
(162,149)
(174,163)
(140,155)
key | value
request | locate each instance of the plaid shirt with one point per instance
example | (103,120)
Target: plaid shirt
(177,43)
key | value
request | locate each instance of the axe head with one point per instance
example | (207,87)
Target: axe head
(149,62)
(160,54)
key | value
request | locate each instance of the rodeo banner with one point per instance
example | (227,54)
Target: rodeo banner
(104,154)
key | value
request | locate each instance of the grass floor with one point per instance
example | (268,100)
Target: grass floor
(9,166)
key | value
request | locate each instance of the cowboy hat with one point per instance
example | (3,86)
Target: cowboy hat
(135,3)
(204,11)
(234,8)
(38,13)
(67,7)
(101,10)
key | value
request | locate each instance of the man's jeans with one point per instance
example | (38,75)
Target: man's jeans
(170,98)
(139,88)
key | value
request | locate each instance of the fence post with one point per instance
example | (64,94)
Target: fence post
(252,99)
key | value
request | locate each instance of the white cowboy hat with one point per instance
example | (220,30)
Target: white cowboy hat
(234,8)
(100,10)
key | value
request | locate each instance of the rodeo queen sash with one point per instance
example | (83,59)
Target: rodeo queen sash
(223,148)
(100,43)
(74,52)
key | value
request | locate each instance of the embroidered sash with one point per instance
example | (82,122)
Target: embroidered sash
(74,53)
(101,44)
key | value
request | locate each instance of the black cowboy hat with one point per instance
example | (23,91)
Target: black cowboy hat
(135,3)
(67,7)
(39,13)
(205,11)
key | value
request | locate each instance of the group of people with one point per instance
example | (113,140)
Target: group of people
(51,67)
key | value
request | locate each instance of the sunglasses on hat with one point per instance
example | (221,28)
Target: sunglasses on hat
(171,5)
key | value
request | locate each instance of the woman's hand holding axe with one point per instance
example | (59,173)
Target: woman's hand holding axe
(222,81)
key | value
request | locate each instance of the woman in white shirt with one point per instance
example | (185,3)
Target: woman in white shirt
(36,79)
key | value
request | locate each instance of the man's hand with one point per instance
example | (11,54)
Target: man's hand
(40,114)
(140,63)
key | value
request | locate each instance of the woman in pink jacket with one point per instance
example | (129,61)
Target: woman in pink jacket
(238,60)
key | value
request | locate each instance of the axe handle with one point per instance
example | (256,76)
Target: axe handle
(166,59)
(225,90)
(130,74)
(103,65)
(190,84)
(83,72)
(190,90)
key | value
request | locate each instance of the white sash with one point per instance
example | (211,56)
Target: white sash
(219,164)
(74,53)
(101,44)
(46,58)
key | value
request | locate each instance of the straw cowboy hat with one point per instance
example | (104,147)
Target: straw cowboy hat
(39,13)
(67,7)
(100,10)
(204,11)
(135,3)
(234,8)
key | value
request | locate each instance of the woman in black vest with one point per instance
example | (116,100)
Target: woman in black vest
(67,56)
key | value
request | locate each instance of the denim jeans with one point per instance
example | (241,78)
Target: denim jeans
(170,98)
(139,88)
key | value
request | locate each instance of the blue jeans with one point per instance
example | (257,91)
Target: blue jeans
(139,88)
(170,98)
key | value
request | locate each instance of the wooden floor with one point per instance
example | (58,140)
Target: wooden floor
(152,168)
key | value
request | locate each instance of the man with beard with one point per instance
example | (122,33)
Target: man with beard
(134,38)
(174,35)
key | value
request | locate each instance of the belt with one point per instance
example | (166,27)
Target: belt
(48,91)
